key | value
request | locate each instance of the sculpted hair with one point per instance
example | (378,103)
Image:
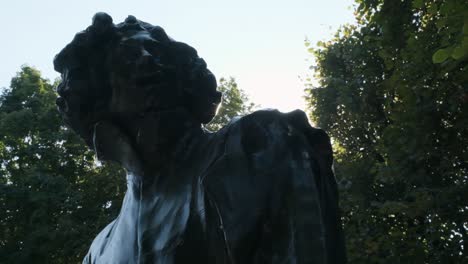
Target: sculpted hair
(85,89)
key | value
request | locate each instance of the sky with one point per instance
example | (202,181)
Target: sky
(259,43)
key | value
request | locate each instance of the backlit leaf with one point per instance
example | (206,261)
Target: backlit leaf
(440,56)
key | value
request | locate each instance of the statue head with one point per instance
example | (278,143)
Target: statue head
(130,70)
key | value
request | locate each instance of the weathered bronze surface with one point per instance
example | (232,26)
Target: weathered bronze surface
(261,190)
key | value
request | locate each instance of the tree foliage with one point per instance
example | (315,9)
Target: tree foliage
(54,196)
(393,94)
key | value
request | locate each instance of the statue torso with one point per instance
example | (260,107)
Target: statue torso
(158,210)
(250,193)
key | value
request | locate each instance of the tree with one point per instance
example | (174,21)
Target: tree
(393,94)
(234,103)
(53,197)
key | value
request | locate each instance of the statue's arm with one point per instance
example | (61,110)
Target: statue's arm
(296,160)
(316,200)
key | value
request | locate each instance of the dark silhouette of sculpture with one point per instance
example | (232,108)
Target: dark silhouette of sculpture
(261,190)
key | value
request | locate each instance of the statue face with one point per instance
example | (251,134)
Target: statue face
(147,75)
(135,74)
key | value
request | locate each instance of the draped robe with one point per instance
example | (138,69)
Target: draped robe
(260,190)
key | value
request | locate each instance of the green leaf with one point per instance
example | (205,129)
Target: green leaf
(440,56)
(458,52)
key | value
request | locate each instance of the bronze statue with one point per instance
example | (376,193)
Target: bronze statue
(261,190)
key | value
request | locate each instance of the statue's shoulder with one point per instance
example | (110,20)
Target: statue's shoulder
(260,129)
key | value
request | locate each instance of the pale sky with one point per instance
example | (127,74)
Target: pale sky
(259,42)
